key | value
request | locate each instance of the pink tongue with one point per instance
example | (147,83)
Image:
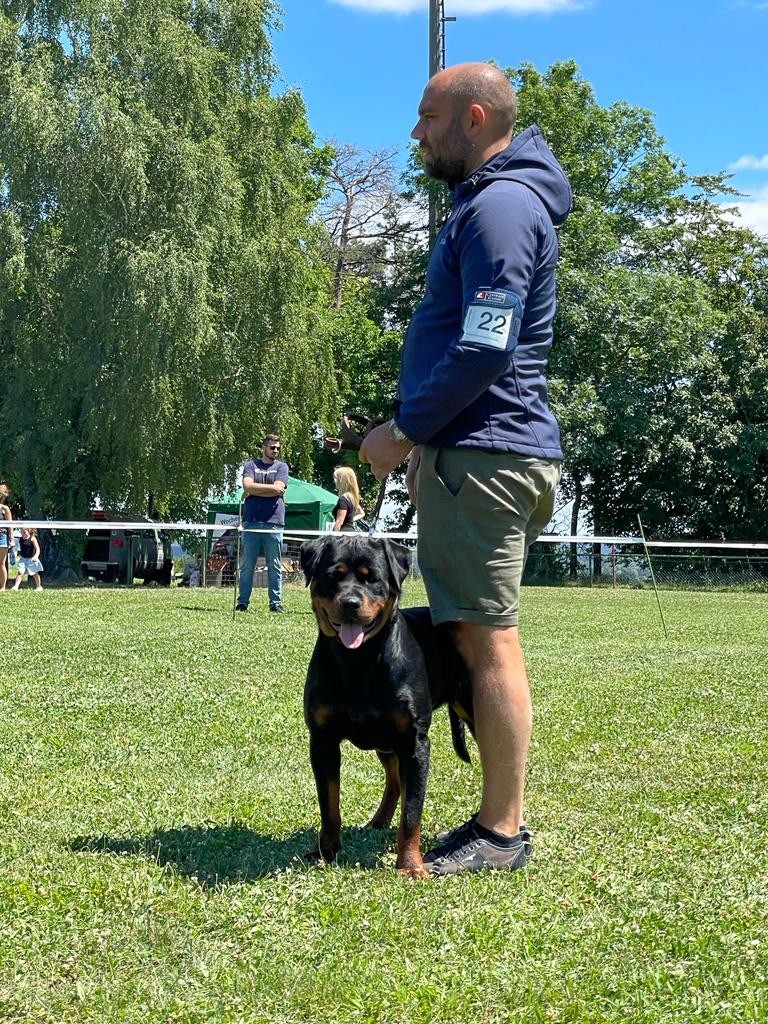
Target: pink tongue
(351,635)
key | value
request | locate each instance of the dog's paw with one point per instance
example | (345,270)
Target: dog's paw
(379,821)
(322,852)
(414,873)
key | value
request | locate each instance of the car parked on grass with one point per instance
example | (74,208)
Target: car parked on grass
(107,553)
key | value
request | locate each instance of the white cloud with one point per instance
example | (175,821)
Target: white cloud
(750,163)
(465,7)
(754,211)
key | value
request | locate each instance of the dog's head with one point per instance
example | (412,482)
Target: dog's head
(355,584)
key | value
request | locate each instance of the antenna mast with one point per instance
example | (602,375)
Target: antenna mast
(437,21)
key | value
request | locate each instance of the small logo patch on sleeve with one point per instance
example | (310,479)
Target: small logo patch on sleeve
(496,298)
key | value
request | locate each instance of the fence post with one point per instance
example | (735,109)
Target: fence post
(129,567)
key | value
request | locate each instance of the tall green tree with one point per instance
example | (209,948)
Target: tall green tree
(366,227)
(658,370)
(162,297)
(658,373)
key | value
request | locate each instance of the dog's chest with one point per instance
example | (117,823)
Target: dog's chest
(370,713)
(371,729)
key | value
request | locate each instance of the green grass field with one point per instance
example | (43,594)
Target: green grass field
(156,793)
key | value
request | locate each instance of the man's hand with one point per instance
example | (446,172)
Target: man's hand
(273,490)
(411,473)
(382,452)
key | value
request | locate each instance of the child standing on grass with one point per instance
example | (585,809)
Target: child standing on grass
(6,535)
(29,559)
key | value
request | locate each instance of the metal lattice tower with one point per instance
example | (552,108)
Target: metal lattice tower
(437,22)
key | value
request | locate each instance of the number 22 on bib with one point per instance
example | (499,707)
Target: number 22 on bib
(492,319)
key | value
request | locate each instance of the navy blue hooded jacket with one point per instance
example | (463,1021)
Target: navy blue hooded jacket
(475,354)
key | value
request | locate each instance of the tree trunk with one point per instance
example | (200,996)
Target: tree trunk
(341,262)
(597,556)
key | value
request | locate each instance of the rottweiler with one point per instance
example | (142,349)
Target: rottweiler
(376,675)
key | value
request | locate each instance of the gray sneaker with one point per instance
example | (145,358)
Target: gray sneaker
(452,833)
(467,850)
(443,837)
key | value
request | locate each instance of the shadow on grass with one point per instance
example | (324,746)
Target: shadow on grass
(220,855)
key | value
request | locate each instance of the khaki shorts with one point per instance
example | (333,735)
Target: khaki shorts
(479,512)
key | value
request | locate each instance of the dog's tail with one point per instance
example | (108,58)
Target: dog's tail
(459,735)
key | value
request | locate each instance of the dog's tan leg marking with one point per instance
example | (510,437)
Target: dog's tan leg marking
(386,809)
(409,859)
(320,716)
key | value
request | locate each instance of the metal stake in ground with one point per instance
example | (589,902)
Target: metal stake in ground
(653,578)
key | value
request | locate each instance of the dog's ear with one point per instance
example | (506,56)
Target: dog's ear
(310,554)
(398,559)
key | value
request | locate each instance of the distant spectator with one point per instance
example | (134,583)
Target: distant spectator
(29,558)
(6,535)
(264,483)
(348,507)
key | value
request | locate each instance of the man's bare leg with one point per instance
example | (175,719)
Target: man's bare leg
(503,719)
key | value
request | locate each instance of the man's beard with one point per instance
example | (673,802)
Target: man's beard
(451,165)
(445,169)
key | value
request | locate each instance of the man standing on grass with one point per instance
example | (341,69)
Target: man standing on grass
(264,483)
(472,412)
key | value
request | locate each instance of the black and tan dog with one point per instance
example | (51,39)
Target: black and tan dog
(375,677)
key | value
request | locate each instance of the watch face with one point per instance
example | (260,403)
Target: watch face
(396,433)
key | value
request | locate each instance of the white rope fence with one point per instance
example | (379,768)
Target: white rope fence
(546,538)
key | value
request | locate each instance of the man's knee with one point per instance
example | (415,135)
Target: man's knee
(479,644)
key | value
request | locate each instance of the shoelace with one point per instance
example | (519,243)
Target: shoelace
(460,850)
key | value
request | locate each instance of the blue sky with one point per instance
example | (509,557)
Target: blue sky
(700,67)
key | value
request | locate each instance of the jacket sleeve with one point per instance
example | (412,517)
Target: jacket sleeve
(496,246)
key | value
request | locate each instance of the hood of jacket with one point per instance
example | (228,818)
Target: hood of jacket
(529,161)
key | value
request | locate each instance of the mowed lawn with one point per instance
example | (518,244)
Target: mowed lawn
(156,797)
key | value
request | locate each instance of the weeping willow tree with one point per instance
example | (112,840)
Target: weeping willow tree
(161,301)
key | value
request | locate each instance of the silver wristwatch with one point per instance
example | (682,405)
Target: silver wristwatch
(397,435)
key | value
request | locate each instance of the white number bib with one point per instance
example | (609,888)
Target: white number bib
(490,319)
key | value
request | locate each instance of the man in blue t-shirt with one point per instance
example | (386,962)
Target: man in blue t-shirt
(264,484)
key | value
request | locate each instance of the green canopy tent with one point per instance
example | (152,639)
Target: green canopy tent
(307,506)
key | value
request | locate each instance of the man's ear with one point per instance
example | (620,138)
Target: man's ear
(310,554)
(476,118)
(398,559)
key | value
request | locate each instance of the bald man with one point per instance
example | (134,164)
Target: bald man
(472,414)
